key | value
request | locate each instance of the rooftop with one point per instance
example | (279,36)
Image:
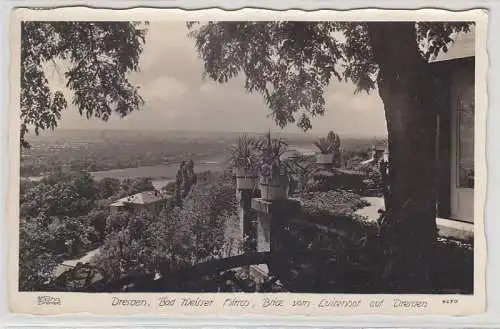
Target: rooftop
(462,47)
(146,197)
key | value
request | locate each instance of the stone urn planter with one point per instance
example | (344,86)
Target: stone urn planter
(273,187)
(245,179)
(324,158)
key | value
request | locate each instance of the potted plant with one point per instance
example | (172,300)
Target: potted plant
(325,154)
(245,161)
(329,149)
(273,180)
(334,141)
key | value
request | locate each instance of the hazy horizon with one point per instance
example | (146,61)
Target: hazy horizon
(131,130)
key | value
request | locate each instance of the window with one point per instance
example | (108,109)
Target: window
(466,138)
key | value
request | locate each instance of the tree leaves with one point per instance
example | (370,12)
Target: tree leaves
(100,56)
(291,63)
(434,36)
(172,238)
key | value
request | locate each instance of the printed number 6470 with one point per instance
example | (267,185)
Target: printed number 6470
(450,301)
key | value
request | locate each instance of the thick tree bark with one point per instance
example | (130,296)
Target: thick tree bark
(405,86)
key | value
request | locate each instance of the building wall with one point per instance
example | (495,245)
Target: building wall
(462,143)
(450,75)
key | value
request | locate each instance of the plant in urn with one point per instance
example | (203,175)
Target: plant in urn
(273,180)
(245,161)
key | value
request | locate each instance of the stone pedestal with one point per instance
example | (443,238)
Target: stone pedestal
(263,233)
(270,218)
(247,216)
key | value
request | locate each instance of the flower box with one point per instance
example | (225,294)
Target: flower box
(324,158)
(245,179)
(274,187)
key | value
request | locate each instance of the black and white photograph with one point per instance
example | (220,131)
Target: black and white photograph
(268,156)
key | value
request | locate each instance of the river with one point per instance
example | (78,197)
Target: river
(165,172)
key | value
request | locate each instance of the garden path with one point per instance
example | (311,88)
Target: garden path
(68,264)
(371,211)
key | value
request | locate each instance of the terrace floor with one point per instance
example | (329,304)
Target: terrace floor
(447,227)
(371,211)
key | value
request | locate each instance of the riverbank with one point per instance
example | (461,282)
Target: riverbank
(168,171)
(156,172)
(162,171)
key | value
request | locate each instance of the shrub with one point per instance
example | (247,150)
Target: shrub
(335,210)
(324,180)
(453,267)
(144,244)
(36,260)
(270,150)
(356,261)
(333,202)
(244,154)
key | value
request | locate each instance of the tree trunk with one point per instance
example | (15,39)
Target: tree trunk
(405,86)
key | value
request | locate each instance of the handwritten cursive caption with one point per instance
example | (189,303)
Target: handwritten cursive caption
(242,302)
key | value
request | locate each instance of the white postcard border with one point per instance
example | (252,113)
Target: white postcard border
(101,303)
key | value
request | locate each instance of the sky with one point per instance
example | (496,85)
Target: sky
(177,98)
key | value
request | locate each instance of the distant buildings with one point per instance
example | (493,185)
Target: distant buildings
(149,200)
(378,154)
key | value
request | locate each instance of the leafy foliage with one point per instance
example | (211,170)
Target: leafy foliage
(36,260)
(96,219)
(244,154)
(61,217)
(184,181)
(69,235)
(323,145)
(291,63)
(108,187)
(136,185)
(436,36)
(333,203)
(270,151)
(147,243)
(60,199)
(330,144)
(334,141)
(99,56)
(299,167)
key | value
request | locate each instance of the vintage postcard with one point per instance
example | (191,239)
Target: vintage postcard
(247,162)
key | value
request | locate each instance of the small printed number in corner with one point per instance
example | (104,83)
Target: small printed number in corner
(48,300)
(450,301)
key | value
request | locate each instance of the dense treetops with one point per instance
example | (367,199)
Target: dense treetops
(291,63)
(62,216)
(98,55)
